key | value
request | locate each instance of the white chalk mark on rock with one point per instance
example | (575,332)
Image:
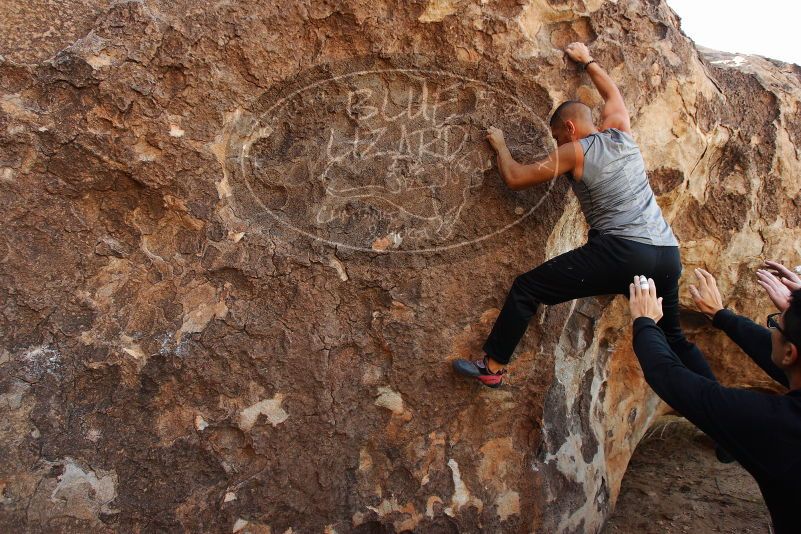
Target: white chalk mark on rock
(41,360)
(339,268)
(93,435)
(200,423)
(436,10)
(99,60)
(391,400)
(145,151)
(270,408)
(203,303)
(432,500)
(132,349)
(460,493)
(508,504)
(411,517)
(81,489)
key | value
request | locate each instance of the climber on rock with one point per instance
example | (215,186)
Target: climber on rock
(760,430)
(628,234)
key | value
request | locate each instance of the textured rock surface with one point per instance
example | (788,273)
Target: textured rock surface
(241,241)
(674,484)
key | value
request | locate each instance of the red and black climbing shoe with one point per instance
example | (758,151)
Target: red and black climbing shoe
(478,369)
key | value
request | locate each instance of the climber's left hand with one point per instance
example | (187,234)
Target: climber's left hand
(643,301)
(578,52)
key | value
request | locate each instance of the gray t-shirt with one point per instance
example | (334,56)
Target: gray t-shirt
(614,191)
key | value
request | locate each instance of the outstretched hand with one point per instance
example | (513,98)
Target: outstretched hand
(779,282)
(578,52)
(642,301)
(706,294)
(778,293)
(790,279)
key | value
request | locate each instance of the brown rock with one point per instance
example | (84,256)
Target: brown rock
(241,242)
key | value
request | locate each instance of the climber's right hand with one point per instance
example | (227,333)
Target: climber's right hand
(578,52)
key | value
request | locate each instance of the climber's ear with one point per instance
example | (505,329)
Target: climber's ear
(570,128)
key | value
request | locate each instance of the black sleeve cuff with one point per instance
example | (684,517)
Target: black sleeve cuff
(722,318)
(642,322)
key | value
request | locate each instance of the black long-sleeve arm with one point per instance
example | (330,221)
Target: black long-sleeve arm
(752,338)
(762,431)
(729,415)
(694,396)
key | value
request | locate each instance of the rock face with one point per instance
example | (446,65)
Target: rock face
(241,242)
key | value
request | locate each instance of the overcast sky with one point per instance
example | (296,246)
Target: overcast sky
(768,28)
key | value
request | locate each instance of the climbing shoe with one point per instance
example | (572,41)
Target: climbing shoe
(478,369)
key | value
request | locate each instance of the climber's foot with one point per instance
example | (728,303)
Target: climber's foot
(478,369)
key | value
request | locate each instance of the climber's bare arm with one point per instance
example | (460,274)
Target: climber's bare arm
(614,114)
(518,176)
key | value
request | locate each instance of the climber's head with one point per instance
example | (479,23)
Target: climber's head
(571,121)
(786,336)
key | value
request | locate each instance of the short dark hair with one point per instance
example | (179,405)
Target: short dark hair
(792,319)
(570,109)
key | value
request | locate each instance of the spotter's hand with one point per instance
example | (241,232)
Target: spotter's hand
(495,138)
(787,277)
(642,299)
(706,294)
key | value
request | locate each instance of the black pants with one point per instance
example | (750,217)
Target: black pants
(605,265)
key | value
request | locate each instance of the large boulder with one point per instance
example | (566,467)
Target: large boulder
(241,242)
